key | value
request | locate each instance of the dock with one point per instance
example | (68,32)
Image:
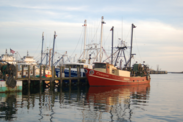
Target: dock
(50,80)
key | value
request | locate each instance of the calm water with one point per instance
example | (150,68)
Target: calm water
(161,101)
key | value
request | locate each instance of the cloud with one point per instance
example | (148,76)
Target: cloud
(56,7)
(157,38)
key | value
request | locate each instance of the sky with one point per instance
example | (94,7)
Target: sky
(157,38)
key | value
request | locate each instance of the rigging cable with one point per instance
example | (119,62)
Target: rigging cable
(77,43)
(96,32)
(137,47)
(37,50)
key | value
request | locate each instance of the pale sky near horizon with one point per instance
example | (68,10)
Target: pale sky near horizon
(158,37)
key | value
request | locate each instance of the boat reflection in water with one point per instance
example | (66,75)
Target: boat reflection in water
(70,103)
(116,103)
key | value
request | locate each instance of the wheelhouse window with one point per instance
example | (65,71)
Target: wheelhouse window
(100,65)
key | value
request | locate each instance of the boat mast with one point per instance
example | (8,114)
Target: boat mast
(42,48)
(49,56)
(84,38)
(53,47)
(102,22)
(112,29)
(133,26)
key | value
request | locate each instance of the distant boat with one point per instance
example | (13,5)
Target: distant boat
(25,61)
(105,74)
(9,58)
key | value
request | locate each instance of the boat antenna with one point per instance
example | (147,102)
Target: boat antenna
(112,29)
(133,26)
(102,22)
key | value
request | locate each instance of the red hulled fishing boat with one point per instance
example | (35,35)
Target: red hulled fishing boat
(105,74)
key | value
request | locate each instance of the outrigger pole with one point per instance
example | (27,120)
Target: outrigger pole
(112,29)
(133,26)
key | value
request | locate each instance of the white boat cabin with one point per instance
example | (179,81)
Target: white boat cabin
(110,69)
(8,58)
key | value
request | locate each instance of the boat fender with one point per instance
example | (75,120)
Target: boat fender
(11,82)
(148,77)
(86,70)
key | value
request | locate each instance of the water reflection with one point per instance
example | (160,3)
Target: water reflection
(118,102)
(68,103)
(8,105)
(55,102)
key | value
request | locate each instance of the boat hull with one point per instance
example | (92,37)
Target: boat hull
(97,78)
(74,72)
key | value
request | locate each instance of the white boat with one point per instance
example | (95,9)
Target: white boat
(25,61)
(29,60)
(7,58)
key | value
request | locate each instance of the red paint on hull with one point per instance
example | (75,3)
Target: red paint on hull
(96,78)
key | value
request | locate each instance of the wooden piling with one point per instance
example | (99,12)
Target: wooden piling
(28,72)
(54,72)
(44,70)
(78,75)
(69,75)
(34,71)
(53,78)
(40,72)
(22,71)
(16,76)
(61,75)
(29,82)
